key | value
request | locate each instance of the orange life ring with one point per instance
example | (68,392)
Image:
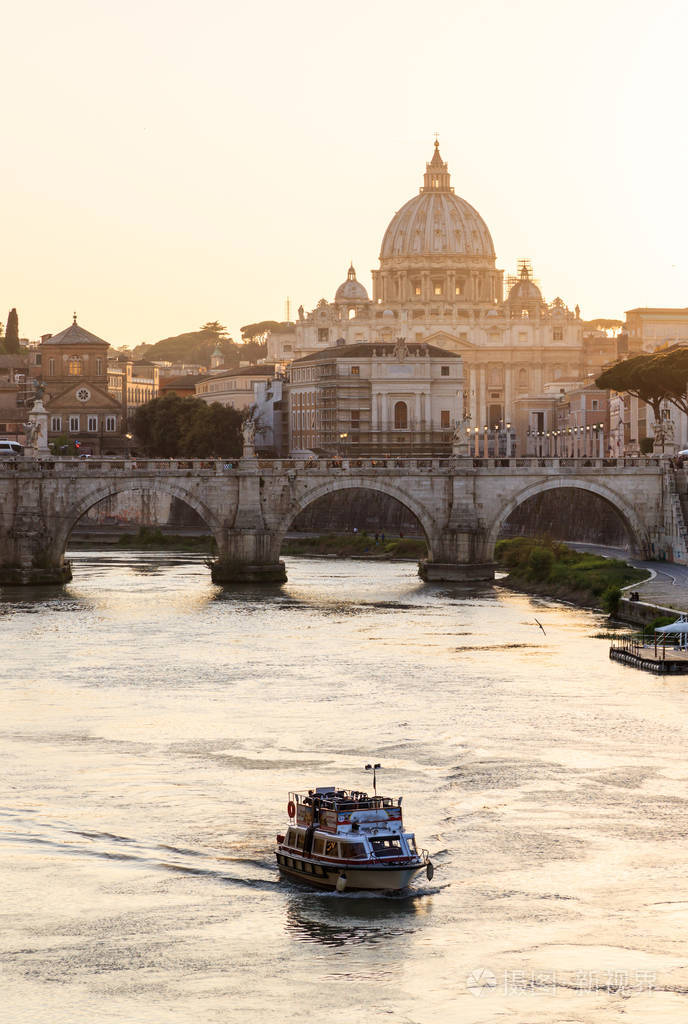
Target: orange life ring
(291,809)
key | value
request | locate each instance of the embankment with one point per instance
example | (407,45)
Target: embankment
(551,569)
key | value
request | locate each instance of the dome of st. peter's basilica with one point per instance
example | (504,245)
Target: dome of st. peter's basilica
(437,222)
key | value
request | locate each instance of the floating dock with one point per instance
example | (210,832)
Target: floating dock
(650,658)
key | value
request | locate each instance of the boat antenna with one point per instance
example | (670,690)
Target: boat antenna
(373,768)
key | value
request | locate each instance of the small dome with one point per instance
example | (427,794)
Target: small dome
(351,290)
(388,314)
(525,291)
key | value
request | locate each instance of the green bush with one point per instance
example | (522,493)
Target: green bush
(553,564)
(540,562)
(610,598)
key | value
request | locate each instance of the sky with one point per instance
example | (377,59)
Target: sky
(164,164)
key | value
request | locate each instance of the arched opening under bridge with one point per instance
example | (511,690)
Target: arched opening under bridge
(345,517)
(122,516)
(584,513)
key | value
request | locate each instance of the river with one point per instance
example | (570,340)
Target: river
(152,725)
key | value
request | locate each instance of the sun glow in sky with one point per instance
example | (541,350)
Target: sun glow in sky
(168,163)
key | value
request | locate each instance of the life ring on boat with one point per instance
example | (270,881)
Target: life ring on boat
(291,809)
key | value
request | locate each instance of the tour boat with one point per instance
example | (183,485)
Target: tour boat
(342,839)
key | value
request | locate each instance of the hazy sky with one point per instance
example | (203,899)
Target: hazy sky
(167,163)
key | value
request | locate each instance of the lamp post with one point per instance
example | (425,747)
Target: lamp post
(129,439)
(342,443)
(485,442)
(476,430)
(508,440)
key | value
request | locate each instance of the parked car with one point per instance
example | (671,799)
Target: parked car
(10,449)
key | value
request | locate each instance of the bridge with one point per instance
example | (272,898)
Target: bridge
(249,504)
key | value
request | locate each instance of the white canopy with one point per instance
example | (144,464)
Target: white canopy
(680,626)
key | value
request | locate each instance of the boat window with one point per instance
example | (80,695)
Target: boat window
(411,840)
(353,850)
(319,846)
(331,848)
(290,837)
(386,846)
(299,840)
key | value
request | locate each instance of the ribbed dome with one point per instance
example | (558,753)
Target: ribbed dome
(525,291)
(351,290)
(437,222)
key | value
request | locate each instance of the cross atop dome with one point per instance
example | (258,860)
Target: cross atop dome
(437,173)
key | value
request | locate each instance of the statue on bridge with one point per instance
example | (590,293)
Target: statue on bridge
(664,443)
(460,438)
(248,430)
(36,429)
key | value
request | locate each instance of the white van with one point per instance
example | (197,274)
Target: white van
(10,449)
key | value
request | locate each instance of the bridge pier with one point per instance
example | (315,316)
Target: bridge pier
(27,557)
(459,548)
(456,572)
(248,557)
(249,553)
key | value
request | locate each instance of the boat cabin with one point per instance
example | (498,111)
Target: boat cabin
(347,825)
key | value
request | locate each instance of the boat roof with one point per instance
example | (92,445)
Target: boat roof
(331,796)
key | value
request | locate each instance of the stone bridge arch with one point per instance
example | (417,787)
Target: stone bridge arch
(99,492)
(314,492)
(634,525)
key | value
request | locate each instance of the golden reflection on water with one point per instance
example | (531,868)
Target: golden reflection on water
(154,723)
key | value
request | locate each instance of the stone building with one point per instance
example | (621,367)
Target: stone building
(74,368)
(383,397)
(133,383)
(438,283)
(235,388)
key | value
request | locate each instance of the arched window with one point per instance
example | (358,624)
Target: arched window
(75,366)
(352,314)
(400,416)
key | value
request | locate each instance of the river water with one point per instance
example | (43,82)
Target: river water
(152,725)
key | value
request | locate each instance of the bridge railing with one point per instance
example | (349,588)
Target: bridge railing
(218,467)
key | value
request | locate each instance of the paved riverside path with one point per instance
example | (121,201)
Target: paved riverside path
(668,588)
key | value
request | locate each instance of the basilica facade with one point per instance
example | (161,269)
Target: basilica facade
(438,285)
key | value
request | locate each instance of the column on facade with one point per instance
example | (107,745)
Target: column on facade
(508,394)
(401,285)
(472,386)
(451,285)
(482,396)
(425,286)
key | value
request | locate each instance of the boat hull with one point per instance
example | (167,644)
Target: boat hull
(387,877)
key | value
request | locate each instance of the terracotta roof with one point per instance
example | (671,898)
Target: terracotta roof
(257,370)
(75,335)
(191,379)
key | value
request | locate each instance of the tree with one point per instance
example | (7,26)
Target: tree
(172,427)
(12,333)
(216,328)
(258,331)
(674,365)
(642,376)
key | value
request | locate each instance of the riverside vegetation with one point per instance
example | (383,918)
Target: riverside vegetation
(353,545)
(539,565)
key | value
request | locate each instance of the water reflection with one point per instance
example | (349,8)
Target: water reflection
(341,919)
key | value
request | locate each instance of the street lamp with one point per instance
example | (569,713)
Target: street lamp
(477,435)
(508,440)
(129,440)
(342,442)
